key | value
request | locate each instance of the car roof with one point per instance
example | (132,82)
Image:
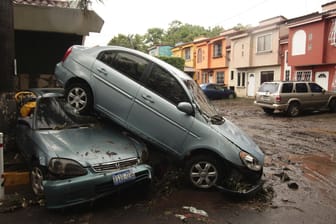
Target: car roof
(176,71)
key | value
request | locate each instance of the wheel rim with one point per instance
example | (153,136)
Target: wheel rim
(37,181)
(294,110)
(203,174)
(77,98)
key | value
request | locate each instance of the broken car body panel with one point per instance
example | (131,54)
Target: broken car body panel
(81,158)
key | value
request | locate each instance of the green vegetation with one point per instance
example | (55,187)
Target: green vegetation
(176,32)
(174,61)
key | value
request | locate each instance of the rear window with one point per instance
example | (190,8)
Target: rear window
(269,87)
(287,88)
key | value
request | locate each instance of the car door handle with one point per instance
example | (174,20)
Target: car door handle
(102,70)
(147,98)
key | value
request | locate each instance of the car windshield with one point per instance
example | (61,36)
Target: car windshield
(200,99)
(55,113)
(269,87)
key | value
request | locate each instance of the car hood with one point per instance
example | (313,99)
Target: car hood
(89,145)
(235,135)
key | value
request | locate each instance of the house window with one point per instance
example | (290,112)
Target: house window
(220,77)
(232,75)
(304,75)
(299,43)
(241,79)
(332,33)
(204,77)
(287,74)
(264,43)
(266,76)
(217,49)
(199,55)
(187,53)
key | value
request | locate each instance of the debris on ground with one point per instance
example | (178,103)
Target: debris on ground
(16,201)
(293,185)
(194,215)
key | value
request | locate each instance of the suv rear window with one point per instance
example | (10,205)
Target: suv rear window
(269,87)
(301,88)
(287,88)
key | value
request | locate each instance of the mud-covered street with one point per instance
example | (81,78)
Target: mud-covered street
(299,174)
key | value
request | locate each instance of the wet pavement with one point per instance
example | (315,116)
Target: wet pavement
(299,174)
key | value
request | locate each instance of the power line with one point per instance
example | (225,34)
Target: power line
(241,12)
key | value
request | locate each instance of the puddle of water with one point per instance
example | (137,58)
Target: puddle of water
(321,168)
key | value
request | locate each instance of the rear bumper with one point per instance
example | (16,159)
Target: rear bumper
(282,107)
(69,192)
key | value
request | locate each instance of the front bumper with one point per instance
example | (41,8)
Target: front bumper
(69,192)
(241,181)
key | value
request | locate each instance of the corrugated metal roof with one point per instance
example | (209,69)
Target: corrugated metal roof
(51,3)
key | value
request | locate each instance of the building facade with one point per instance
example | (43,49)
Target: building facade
(312,47)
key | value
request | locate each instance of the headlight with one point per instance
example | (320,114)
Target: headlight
(251,162)
(65,168)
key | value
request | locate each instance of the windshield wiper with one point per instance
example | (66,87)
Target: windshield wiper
(217,119)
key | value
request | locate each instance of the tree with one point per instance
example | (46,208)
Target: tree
(154,36)
(130,41)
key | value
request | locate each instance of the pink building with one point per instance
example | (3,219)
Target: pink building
(312,48)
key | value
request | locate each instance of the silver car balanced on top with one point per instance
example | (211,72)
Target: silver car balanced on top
(164,106)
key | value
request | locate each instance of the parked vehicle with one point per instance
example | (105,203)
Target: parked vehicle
(293,97)
(164,106)
(217,91)
(74,159)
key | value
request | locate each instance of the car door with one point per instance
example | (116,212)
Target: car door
(319,97)
(117,77)
(303,95)
(154,114)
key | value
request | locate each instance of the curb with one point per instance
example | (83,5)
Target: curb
(15,178)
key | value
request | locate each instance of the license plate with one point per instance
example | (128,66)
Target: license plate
(123,177)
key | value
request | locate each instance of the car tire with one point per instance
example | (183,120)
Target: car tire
(332,105)
(203,171)
(293,109)
(79,96)
(36,180)
(268,110)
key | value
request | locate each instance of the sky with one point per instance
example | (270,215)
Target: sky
(137,16)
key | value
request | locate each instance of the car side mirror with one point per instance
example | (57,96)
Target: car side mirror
(186,108)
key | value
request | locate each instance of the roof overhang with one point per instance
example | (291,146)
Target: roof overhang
(56,19)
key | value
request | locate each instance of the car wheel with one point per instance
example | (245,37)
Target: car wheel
(36,180)
(79,96)
(293,109)
(268,110)
(332,105)
(203,171)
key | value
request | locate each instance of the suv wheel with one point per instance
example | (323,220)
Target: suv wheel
(268,110)
(293,109)
(79,96)
(203,171)
(332,105)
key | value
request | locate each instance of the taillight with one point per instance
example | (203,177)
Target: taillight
(67,53)
(278,98)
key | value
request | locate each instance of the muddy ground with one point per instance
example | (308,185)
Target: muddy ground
(299,174)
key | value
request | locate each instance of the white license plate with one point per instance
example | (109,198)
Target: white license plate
(123,177)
